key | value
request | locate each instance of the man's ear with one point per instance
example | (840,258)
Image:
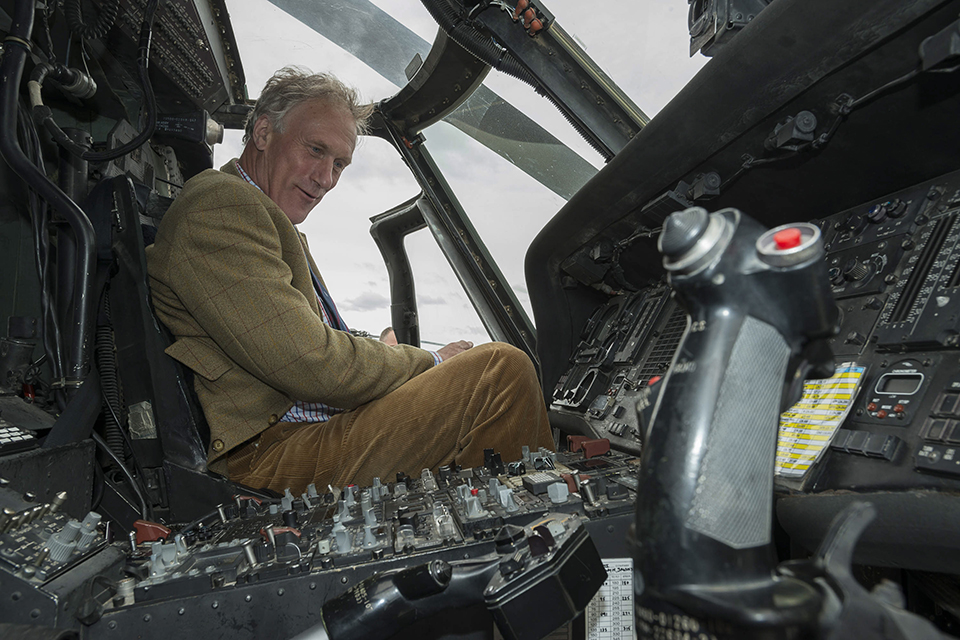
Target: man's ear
(261,132)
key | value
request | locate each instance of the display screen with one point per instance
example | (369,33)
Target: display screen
(899,384)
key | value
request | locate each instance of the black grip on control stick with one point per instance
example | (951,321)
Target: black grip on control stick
(756,300)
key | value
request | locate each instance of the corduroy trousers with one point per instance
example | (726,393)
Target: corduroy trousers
(486,397)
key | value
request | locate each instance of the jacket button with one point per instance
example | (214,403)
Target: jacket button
(273,419)
(218,445)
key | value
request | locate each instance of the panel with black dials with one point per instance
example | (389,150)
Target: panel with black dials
(894,265)
(187,53)
(626,344)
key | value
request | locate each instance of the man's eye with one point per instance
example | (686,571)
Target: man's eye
(316,150)
(339,165)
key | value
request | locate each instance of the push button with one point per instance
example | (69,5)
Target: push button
(856,441)
(952,433)
(787,238)
(864,443)
(947,405)
(934,430)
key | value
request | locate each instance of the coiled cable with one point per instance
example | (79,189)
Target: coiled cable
(112,395)
(106,16)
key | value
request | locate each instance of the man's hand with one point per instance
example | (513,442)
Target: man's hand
(454,348)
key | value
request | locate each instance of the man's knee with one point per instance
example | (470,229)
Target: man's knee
(505,357)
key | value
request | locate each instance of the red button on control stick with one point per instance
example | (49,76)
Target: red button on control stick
(787,238)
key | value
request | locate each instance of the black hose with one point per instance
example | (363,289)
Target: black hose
(74,81)
(43,115)
(16,51)
(106,16)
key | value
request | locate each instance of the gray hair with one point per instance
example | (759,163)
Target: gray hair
(292,85)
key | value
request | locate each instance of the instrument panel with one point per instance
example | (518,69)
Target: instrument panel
(894,268)
(266,566)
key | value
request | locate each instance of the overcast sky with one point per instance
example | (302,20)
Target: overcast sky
(641,44)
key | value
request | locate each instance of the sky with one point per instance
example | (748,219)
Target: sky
(641,44)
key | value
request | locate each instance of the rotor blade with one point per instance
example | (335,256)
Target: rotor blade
(387,46)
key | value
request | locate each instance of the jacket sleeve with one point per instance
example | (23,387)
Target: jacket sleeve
(228,269)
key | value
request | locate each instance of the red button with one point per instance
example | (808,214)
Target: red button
(787,238)
(898,408)
(872,406)
(474,491)
(881,414)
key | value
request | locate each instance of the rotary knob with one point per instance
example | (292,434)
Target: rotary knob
(88,531)
(855,338)
(854,224)
(896,208)
(854,270)
(877,213)
(63,543)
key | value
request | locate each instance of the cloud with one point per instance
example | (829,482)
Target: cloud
(421,299)
(366,301)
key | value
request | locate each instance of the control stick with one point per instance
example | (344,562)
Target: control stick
(760,310)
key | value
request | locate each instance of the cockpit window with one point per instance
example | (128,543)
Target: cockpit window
(642,46)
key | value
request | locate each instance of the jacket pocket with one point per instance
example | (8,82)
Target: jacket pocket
(203,358)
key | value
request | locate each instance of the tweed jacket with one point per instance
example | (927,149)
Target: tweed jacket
(229,277)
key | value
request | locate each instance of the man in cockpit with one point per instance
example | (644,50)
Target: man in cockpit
(290,395)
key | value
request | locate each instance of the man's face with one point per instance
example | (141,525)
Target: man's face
(297,166)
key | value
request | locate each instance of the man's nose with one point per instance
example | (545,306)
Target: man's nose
(323,174)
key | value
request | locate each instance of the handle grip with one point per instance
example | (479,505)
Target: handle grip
(705,495)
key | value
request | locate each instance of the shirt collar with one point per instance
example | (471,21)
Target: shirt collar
(245,175)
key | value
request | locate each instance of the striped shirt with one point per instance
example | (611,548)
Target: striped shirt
(317,411)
